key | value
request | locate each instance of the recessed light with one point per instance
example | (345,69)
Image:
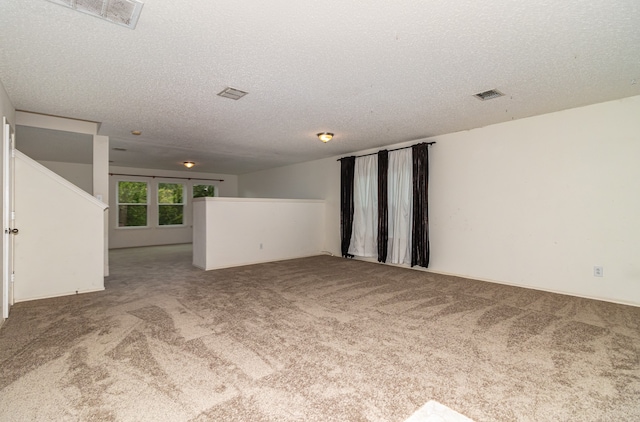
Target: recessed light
(189,164)
(119,149)
(136,132)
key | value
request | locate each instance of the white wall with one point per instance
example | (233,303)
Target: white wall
(60,247)
(7,110)
(153,235)
(80,175)
(99,173)
(230,232)
(6,107)
(536,202)
(312,180)
(45,121)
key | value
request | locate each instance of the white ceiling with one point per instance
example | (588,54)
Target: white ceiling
(375,73)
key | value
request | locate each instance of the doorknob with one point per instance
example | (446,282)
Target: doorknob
(14,231)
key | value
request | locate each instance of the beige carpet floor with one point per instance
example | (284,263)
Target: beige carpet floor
(314,339)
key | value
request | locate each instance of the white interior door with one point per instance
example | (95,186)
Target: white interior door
(7,216)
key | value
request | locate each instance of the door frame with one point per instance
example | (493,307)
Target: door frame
(8,215)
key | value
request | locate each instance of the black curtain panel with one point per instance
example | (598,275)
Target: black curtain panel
(383,205)
(420,224)
(347,168)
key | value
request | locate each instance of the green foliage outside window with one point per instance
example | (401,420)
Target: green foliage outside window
(203,191)
(132,215)
(132,204)
(133,200)
(170,204)
(132,192)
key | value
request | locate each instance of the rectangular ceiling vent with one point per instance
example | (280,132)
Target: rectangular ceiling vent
(234,94)
(120,12)
(489,95)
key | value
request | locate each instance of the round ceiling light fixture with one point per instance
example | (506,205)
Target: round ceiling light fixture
(325,136)
(189,164)
(136,132)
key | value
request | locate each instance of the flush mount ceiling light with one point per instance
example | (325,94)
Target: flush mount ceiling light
(488,95)
(136,132)
(234,94)
(189,164)
(120,12)
(325,136)
(119,149)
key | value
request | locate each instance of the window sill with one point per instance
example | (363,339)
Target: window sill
(174,226)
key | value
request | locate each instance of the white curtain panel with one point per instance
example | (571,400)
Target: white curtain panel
(364,237)
(400,191)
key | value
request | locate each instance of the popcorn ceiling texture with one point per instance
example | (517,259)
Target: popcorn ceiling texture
(375,74)
(314,339)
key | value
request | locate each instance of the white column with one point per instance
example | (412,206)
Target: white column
(101,186)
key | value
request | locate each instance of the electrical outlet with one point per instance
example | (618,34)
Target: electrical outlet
(598,271)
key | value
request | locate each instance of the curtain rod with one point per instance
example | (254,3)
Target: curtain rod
(395,149)
(164,177)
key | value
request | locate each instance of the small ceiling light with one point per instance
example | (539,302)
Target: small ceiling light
(136,132)
(325,136)
(189,164)
(119,149)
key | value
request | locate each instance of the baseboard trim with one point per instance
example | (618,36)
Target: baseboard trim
(506,283)
(258,262)
(74,293)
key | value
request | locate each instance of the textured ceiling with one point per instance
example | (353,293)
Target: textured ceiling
(374,73)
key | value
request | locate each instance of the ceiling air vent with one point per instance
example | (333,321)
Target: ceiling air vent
(489,95)
(120,12)
(234,94)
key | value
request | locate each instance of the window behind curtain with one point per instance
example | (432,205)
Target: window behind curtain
(364,237)
(400,199)
(170,204)
(347,167)
(407,207)
(132,204)
(420,227)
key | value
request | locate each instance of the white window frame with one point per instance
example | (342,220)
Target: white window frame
(118,203)
(158,204)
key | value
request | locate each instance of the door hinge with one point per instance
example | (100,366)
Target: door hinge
(13,215)
(13,277)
